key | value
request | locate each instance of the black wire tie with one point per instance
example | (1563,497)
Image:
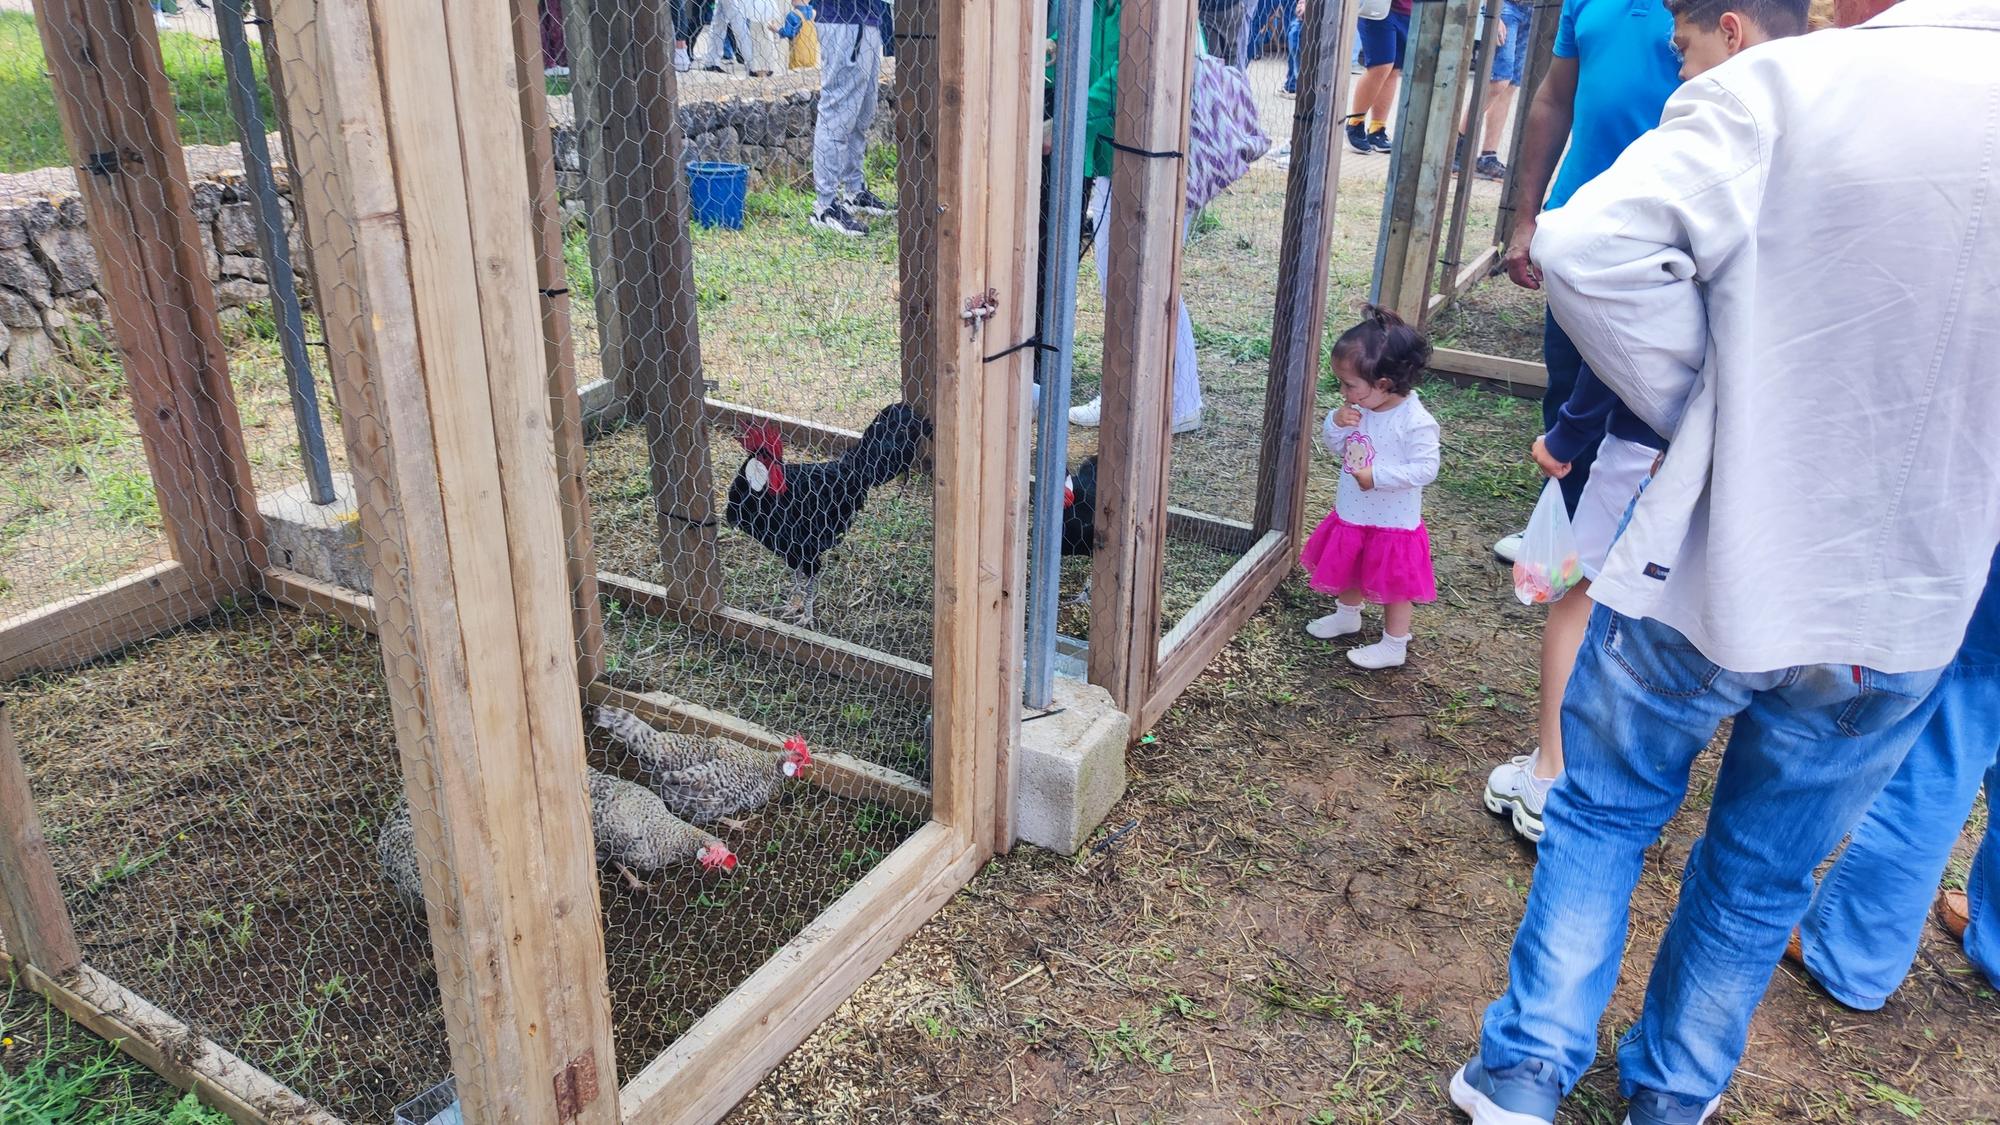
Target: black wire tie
(1148,153)
(1031,342)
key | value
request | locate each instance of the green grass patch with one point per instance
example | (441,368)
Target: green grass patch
(51,1071)
(31,134)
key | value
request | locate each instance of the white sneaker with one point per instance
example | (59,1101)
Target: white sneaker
(1189,424)
(1389,652)
(682,63)
(1512,791)
(1343,622)
(1088,415)
(1508,549)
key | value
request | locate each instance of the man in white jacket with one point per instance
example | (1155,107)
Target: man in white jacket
(1816,328)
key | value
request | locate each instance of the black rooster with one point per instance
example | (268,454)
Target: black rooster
(1079,525)
(800,512)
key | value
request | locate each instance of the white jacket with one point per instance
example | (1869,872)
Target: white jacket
(1796,279)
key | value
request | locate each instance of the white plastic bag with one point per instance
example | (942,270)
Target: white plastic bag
(1375,9)
(1547,567)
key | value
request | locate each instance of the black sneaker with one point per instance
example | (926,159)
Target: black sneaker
(868,203)
(838,219)
(1378,141)
(1489,167)
(1357,135)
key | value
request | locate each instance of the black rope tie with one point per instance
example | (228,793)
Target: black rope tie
(1031,342)
(554,293)
(1147,153)
(691,522)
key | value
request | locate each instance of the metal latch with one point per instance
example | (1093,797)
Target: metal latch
(979,308)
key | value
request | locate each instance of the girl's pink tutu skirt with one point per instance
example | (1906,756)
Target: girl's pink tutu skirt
(1387,564)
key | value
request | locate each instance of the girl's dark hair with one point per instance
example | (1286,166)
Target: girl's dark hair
(1382,346)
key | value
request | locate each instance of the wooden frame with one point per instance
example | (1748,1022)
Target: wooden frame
(1143,268)
(117,115)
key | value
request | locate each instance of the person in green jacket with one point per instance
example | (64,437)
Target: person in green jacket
(1100,120)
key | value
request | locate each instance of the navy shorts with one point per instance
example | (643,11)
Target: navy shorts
(1511,56)
(1382,40)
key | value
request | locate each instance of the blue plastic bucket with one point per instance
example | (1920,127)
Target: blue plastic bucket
(716,191)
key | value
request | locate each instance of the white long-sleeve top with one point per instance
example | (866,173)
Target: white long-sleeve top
(1404,441)
(1814,322)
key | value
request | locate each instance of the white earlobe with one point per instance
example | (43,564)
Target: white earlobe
(758,476)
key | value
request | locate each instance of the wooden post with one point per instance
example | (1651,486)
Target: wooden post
(1466,148)
(1148,199)
(558,345)
(118,117)
(917,217)
(471,586)
(1541,55)
(33,917)
(990,83)
(622,66)
(1428,114)
(1299,322)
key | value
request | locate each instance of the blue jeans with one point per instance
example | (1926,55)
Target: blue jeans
(1862,932)
(1292,29)
(1806,757)
(1564,363)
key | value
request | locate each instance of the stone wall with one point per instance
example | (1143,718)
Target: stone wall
(49,274)
(48,268)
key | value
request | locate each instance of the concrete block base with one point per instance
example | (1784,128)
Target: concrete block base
(322,541)
(1070,767)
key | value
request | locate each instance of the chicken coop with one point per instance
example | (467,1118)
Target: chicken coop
(507,611)
(1434,243)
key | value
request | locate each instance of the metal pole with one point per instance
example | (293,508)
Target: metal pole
(1058,318)
(276,248)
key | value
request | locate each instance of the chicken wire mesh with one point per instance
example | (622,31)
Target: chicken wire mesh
(750,309)
(215,794)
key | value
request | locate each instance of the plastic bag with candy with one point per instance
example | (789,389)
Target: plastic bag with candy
(1547,567)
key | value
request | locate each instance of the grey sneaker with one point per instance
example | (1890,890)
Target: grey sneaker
(868,203)
(1489,167)
(1524,1094)
(838,219)
(1650,1107)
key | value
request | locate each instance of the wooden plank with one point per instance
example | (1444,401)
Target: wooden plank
(1540,56)
(79,629)
(1298,324)
(1449,274)
(118,116)
(1148,199)
(818,651)
(924,333)
(33,915)
(842,775)
(643,254)
(721,1058)
(1210,627)
(559,348)
(310,595)
(797,432)
(171,1049)
(1478,268)
(1491,368)
(487,710)
(1421,165)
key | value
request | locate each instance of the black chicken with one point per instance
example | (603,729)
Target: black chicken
(800,512)
(1079,525)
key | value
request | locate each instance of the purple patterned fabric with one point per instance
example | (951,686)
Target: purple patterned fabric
(1224,135)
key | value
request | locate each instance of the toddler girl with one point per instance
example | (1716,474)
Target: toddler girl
(1373,546)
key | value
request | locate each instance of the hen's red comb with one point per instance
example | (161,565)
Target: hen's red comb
(762,437)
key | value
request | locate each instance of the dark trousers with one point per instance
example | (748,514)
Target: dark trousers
(1564,363)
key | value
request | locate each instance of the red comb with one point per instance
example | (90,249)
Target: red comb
(763,437)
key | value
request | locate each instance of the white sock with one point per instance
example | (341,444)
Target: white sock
(1389,652)
(1542,784)
(1344,619)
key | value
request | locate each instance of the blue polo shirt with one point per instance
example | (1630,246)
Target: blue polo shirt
(1625,71)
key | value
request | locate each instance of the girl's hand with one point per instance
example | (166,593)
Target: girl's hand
(1365,477)
(1347,417)
(1547,463)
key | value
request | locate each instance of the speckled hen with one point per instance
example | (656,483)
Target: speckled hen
(705,779)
